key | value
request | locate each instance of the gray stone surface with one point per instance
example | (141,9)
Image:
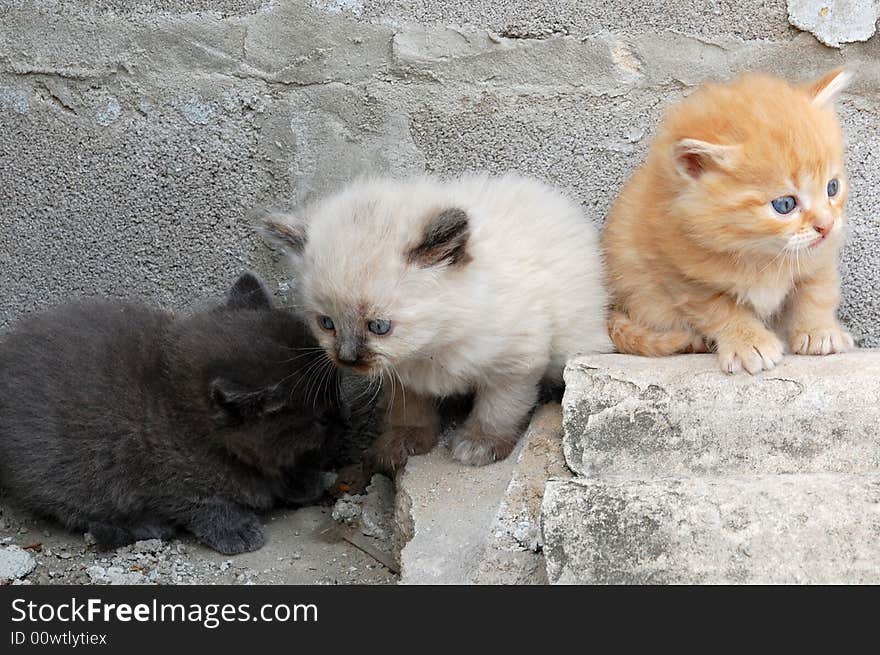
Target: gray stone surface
(377,517)
(459,525)
(627,415)
(371,512)
(513,548)
(302,547)
(835,22)
(802,528)
(443,516)
(136,136)
(15,563)
(534,20)
(688,475)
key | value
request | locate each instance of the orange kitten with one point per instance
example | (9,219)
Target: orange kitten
(732,227)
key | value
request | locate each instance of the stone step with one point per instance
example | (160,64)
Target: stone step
(798,528)
(513,548)
(457,524)
(639,416)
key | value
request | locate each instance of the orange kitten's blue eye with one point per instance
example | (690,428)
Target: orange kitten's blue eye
(784,204)
(326,322)
(379,326)
(833,187)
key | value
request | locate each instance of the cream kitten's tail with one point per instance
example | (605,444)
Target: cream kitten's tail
(634,339)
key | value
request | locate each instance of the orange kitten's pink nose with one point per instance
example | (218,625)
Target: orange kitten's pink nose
(822,228)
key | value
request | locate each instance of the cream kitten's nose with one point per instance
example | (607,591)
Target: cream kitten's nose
(349,351)
(348,356)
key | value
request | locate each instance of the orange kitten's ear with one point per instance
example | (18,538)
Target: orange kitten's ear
(694,157)
(827,88)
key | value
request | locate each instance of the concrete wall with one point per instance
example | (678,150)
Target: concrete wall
(134,136)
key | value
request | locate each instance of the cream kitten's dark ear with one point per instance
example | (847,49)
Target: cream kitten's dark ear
(693,157)
(444,240)
(828,88)
(287,231)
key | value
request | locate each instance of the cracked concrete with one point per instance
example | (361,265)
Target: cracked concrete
(461,525)
(303,547)
(680,415)
(137,138)
(687,475)
(835,22)
(770,529)
(514,544)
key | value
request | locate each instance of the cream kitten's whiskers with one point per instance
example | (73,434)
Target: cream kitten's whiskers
(445,289)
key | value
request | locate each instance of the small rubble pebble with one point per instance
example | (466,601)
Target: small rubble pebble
(147,546)
(45,554)
(114,575)
(371,511)
(15,563)
(347,509)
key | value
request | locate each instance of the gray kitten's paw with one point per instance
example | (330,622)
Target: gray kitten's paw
(478,448)
(229,530)
(239,539)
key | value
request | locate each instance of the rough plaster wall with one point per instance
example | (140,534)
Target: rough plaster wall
(134,136)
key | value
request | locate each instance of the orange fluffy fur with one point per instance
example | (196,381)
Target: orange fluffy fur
(698,256)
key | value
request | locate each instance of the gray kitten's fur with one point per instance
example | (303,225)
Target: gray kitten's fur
(122,420)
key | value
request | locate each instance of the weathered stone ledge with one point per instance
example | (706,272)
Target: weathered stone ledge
(637,416)
(805,528)
(689,475)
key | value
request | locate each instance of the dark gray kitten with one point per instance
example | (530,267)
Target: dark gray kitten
(125,421)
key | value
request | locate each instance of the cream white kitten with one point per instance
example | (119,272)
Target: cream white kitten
(480,284)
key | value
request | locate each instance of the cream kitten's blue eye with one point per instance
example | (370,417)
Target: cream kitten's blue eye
(326,322)
(379,326)
(784,204)
(833,187)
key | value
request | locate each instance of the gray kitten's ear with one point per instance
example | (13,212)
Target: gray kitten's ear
(248,292)
(444,240)
(285,230)
(236,402)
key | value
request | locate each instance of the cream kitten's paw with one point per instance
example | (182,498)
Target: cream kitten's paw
(393,448)
(476,448)
(821,341)
(759,353)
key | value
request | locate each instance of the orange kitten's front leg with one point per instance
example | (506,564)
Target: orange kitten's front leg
(811,317)
(411,427)
(741,339)
(493,426)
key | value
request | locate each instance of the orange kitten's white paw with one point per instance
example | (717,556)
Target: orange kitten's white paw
(823,341)
(478,448)
(759,354)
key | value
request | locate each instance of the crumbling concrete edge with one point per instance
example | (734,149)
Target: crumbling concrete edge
(504,546)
